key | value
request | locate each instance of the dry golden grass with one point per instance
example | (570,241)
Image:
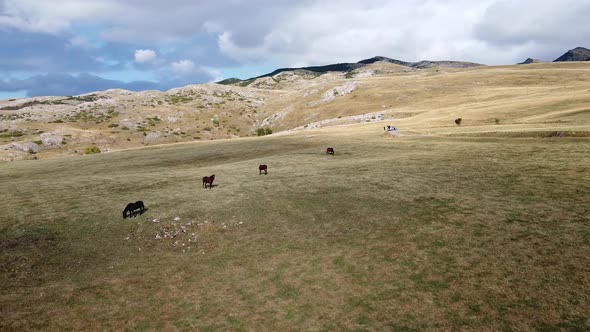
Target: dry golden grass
(531,94)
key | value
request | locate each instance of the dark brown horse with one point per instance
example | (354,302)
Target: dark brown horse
(131,207)
(262,168)
(208,180)
(330,151)
(458,121)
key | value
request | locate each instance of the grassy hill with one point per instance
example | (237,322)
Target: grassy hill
(482,226)
(114,120)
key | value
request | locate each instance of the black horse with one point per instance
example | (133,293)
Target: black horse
(130,209)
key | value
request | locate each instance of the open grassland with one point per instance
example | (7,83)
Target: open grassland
(448,228)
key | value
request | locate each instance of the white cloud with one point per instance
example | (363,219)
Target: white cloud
(54,17)
(183,67)
(488,31)
(321,31)
(145,56)
(327,32)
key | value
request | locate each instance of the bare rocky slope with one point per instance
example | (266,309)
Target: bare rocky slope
(117,119)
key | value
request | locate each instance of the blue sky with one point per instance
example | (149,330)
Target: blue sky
(70,47)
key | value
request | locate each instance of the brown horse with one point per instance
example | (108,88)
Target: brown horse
(208,180)
(330,151)
(458,121)
(262,168)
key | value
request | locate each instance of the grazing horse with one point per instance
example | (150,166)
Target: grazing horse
(208,180)
(330,151)
(262,168)
(458,121)
(131,207)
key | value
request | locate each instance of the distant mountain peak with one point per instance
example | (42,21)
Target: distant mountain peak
(576,54)
(529,61)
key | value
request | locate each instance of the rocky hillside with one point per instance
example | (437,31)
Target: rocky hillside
(116,119)
(577,54)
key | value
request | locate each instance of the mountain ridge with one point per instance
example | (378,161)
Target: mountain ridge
(345,67)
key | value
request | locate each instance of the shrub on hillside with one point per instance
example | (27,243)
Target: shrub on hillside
(92,150)
(263,131)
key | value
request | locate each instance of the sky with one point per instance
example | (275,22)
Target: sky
(70,47)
